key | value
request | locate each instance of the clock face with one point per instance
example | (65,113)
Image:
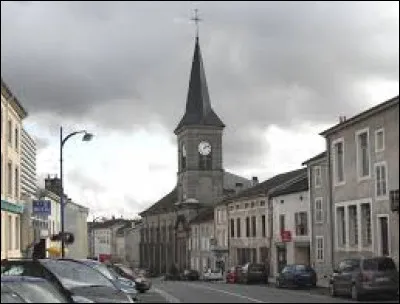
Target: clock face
(204,148)
(183,151)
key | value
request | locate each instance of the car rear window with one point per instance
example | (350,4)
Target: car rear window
(379,264)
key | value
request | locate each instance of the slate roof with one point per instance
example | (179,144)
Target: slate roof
(164,205)
(198,105)
(204,215)
(298,186)
(267,185)
(318,156)
(6,92)
(107,224)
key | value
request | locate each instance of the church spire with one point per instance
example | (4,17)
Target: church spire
(198,105)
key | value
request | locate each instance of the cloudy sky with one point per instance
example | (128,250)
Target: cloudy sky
(278,74)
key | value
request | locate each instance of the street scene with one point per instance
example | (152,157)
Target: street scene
(199,152)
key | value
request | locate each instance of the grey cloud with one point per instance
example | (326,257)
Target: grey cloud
(85,182)
(126,64)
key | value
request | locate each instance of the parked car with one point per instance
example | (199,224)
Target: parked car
(296,275)
(141,282)
(253,273)
(233,274)
(126,285)
(212,275)
(191,275)
(363,276)
(80,283)
(17,289)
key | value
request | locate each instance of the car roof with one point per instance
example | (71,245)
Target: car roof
(21,279)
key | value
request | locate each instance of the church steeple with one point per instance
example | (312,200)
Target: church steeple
(198,106)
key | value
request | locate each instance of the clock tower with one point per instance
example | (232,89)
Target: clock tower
(199,134)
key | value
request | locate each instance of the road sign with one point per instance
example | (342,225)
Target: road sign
(41,207)
(286,236)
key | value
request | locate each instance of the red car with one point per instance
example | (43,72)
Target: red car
(232,275)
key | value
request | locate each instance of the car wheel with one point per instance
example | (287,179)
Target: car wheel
(354,293)
(332,290)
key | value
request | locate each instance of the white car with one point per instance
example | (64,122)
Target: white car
(212,275)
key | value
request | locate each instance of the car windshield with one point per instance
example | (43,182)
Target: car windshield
(379,264)
(301,268)
(109,273)
(73,274)
(31,292)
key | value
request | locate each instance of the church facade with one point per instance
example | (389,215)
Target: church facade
(201,180)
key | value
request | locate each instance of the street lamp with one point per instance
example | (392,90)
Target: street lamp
(86,137)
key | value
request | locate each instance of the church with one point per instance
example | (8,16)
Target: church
(201,183)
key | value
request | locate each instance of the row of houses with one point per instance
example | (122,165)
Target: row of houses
(22,223)
(343,203)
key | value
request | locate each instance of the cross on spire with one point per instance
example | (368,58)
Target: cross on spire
(196,20)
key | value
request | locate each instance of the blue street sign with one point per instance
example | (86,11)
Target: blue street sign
(42,207)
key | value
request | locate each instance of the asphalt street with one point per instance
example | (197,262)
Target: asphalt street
(202,292)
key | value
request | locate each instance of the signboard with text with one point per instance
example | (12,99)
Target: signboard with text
(41,207)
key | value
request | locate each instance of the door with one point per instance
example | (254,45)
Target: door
(384,236)
(282,261)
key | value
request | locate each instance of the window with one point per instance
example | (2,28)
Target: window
(362,140)
(317,174)
(338,157)
(282,201)
(205,161)
(9,179)
(366,224)
(253,226)
(379,140)
(246,205)
(237,207)
(341,226)
(232,228)
(16,138)
(9,245)
(381,180)
(353,226)
(281,222)
(17,234)
(247,227)
(252,204)
(301,223)
(183,158)
(16,184)
(238,232)
(9,130)
(262,203)
(263,225)
(318,210)
(320,248)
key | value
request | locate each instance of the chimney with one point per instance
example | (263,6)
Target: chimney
(255,180)
(53,184)
(238,187)
(342,119)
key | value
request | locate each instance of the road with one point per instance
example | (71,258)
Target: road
(202,292)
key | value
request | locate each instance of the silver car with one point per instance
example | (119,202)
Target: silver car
(364,276)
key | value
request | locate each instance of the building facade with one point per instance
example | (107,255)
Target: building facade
(363,158)
(291,225)
(321,217)
(200,242)
(12,114)
(76,223)
(28,166)
(132,245)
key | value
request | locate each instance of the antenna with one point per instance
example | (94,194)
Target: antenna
(196,20)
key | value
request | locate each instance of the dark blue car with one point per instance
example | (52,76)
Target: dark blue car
(297,275)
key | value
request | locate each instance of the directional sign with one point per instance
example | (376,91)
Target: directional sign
(42,207)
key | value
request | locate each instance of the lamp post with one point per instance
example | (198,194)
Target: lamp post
(86,137)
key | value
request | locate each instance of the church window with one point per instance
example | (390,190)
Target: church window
(183,158)
(205,162)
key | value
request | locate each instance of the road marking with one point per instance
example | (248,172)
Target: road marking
(170,298)
(229,293)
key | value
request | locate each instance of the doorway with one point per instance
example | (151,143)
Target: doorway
(282,257)
(383,229)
